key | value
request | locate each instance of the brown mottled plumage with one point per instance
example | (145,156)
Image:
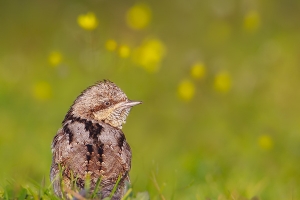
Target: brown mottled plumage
(92,144)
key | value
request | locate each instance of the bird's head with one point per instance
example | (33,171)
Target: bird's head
(104,102)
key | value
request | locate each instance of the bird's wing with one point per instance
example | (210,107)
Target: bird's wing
(59,145)
(116,154)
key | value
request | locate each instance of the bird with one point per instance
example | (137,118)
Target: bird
(91,146)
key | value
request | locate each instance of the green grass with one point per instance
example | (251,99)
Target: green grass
(34,190)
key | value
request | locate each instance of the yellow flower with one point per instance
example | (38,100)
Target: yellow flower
(198,70)
(111,45)
(252,21)
(138,16)
(186,90)
(124,51)
(88,21)
(42,91)
(55,58)
(150,54)
(222,82)
(265,142)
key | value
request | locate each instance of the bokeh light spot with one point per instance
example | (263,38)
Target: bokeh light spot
(265,142)
(42,91)
(150,54)
(111,45)
(87,21)
(124,51)
(198,70)
(186,90)
(55,58)
(138,16)
(252,21)
(222,82)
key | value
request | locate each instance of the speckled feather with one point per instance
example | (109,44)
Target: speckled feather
(91,142)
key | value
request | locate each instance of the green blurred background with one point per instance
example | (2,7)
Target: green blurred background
(219,81)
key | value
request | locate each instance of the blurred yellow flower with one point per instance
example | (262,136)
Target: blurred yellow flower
(138,16)
(222,82)
(111,45)
(252,21)
(265,142)
(88,21)
(124,51)
(198,70)
(42,91)
(55,58)
(150,54)
(186,90)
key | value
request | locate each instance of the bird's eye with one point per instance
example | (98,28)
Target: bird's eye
(107,103)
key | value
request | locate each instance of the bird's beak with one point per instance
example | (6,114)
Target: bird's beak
(130,103)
